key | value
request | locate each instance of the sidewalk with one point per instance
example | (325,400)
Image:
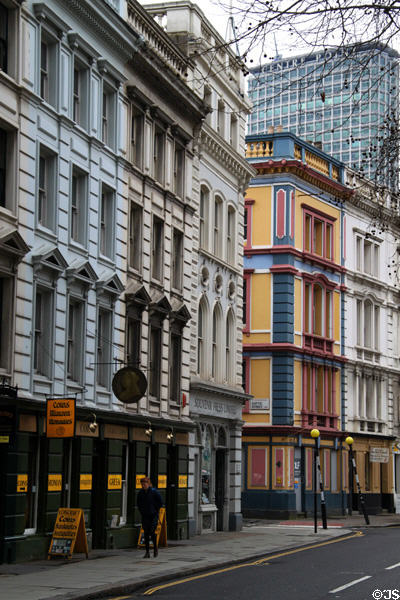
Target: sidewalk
(115,572)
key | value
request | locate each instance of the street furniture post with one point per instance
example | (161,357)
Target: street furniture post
(349,441)
(315,435)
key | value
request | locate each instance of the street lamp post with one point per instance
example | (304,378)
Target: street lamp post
(315,435)
(317,467)
(349,442)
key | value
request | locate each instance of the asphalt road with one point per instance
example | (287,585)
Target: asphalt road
(361,568)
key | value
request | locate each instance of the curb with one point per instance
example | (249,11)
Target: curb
(130,586)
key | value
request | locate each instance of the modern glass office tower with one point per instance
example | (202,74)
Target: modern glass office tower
(344,100)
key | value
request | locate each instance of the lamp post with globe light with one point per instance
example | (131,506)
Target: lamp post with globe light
(315,435)
(349,442)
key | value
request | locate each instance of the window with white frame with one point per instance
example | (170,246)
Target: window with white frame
(47,182)
(43,332)
(134,334)
(177,259)
(135,236)
(104,346)
(229,346)
(368,327)
(201,338)
(48,67)
(318,234)
(157,248)
(231,238)
(179,170)
(80,93)
(79,204)
(216,342)
(8,37)
(8,168)
(6,323)
(108,112)
(317,309)
(107,222)
(137,124)
(158,154)
(75,339)
(175,362)
(155,358)
(367,255)
(204,216)
(218,205)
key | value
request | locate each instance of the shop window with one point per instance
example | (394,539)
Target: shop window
(124,492)
(258,467)
(157,249)
(318,235)
(31,504)
(79,205)
(104,345)
(135,236)
(107,221)
(177,259)
(206,469)
(47,180)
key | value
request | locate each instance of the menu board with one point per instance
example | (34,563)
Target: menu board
(69,533)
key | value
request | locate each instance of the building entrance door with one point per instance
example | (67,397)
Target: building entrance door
(220,487)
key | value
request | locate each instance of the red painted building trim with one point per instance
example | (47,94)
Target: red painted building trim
(292,211)
(284,269)
(270,347)
(280,213)
(305,256)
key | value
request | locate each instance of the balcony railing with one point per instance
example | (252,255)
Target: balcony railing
(320,344)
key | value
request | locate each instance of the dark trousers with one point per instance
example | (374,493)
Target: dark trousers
(149,525)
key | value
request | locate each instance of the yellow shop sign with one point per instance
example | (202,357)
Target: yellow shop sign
(54,482)
(22,483)
(114,481)
(182,481)
(85,481)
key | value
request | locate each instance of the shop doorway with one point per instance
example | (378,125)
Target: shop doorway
(98,507)
(220,487)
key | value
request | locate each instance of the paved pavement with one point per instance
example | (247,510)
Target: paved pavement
(115,572)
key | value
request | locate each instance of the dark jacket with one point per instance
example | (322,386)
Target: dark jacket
(149,502)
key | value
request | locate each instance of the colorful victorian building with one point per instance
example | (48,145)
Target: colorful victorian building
(293,341)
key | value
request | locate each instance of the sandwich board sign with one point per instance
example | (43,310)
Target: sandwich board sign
(69,533)
(161,532)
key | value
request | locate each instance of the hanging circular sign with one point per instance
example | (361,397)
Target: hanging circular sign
(129,385)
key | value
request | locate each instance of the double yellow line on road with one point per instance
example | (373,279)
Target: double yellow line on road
(261,561)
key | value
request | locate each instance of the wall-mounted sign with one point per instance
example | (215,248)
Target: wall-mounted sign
(4,439)
(114,481)
(129,385)
(162,481)
(182,481)
(138,484)
(22,483)
(69,533)
(60,417)
(54,482)
(379,455)
(259,404)
(85,481)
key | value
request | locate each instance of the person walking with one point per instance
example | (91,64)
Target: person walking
(149,503)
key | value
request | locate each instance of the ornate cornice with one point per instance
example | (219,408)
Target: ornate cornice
(226,155)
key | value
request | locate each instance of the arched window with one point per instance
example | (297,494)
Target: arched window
(231,230)
(216,342)
(201,334)
(217,226)
(204,216)
(229,346)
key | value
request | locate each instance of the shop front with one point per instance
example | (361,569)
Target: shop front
(98,470)
(216,454)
